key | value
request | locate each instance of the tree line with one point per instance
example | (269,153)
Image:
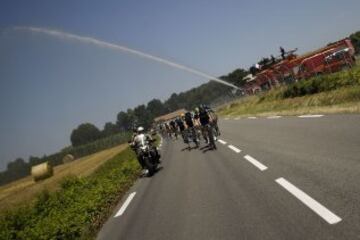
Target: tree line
(204,94)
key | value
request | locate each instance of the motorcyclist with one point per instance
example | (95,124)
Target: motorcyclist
(136,143)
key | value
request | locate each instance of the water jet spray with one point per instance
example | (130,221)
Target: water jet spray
(100,43)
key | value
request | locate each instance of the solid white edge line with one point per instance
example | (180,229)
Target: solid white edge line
(319,209)
(255,162)
(125,205)
(221,141)
(252,117)
(237,118)
(235,149)
(273,117)
(311,116)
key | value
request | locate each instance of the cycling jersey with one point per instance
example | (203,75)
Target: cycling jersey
(204,118)
(172,123)
(180,124)
(189,120)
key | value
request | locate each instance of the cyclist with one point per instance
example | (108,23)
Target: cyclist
(191,132)
(213,120)
(205,121)
(180,124)
(173,128)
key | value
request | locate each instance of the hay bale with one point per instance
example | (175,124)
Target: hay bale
(68,158)
(42,171)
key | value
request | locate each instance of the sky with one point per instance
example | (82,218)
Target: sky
(48,86)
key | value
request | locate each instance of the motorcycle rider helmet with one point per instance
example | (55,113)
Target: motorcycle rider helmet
(140,129)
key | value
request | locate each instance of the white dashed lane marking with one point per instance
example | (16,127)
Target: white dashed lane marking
(222,141)
(125,205)
(319,209)
(235,149)
(255,162)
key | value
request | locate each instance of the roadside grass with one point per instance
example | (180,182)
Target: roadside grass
(26,190)
(334,93)
(78,208)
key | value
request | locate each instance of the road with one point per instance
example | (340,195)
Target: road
(271,178)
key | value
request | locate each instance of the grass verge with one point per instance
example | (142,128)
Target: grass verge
(78,209)
(334,93)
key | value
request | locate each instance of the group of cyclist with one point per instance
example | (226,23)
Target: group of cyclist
(191,126)
(194,125)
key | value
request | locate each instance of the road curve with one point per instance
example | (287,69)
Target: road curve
(271,178)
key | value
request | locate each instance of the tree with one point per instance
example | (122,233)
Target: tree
(355,40)
(110,129)
(172,104)
(84,133)
(264,61)
(125,120)
(236,77)
(142,116)
(18,168)
(155,108)
(34,160)
(16,165)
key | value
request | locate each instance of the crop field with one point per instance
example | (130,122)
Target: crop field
(26,189)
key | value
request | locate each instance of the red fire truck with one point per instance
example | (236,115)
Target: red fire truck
(333,58)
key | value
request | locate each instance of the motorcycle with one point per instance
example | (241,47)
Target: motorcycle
(147,152)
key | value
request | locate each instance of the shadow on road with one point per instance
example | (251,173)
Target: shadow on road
(207,148)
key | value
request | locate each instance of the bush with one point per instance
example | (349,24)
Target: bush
(322,83)
(78,209)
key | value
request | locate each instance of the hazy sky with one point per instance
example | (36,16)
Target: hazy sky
(48,86)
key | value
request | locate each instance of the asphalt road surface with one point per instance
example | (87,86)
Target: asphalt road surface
(271,178)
